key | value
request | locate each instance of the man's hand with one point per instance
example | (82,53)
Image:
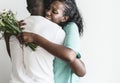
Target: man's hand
(21,24)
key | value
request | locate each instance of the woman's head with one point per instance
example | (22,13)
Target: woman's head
(63,11)
(55,12)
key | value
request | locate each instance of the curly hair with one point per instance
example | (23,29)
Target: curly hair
(72,12)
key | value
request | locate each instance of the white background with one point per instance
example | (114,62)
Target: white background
(100,43)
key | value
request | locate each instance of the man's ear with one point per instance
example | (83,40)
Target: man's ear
(65,18)
(29,10)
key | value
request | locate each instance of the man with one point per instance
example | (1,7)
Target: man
(35,66)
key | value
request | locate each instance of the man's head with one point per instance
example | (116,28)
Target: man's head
(35,7)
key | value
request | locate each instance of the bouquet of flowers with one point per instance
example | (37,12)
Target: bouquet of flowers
(9,24)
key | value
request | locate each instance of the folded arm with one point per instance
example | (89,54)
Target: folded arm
(67,52)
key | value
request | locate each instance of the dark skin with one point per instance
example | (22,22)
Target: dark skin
(36,7)
(59,51)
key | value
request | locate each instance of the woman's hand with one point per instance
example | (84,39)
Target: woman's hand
(26,37)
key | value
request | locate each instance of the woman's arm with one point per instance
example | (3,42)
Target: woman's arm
(67,52)
(72,41)
(78,67)
(59,51)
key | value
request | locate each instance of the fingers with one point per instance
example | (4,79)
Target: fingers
(20,38)
(22,28)
(25,37)
(21,23)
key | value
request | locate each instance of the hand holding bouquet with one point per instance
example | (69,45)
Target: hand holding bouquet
(9,24)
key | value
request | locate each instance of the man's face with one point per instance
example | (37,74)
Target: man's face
(37,8)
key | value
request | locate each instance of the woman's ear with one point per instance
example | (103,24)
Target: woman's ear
(65,18)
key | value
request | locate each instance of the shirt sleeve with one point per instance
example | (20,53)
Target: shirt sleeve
(72,39)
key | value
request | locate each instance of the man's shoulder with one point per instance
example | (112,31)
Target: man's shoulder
(41,21)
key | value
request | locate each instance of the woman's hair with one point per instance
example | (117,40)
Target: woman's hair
(72,12)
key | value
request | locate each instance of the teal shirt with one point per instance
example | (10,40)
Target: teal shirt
(62,71)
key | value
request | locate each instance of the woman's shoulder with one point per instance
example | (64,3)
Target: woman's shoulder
(70,26)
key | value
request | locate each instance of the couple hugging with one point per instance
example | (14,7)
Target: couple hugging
(56,59)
